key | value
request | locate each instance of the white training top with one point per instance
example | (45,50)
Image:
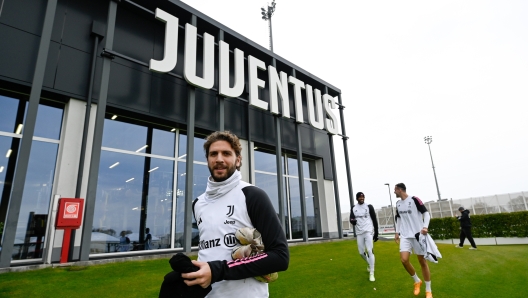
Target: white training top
(409,216)
(218,221)
(364,222)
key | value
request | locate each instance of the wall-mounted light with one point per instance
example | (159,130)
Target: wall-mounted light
(113,117)
(173,130)
(1,169)
(19,129)
(8,153)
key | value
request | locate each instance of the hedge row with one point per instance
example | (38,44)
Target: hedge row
(513,224)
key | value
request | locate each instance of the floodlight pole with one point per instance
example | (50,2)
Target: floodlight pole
(428,140)
(266,16)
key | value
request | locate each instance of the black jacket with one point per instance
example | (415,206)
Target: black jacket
(465,221)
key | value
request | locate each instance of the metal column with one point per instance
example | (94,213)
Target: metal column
(189,175)
(302,193)
(27,138)
(347,161)
(93,172)
(96,27)
(220,98)
(278,160)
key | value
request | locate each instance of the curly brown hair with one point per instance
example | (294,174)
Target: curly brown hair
(227,136)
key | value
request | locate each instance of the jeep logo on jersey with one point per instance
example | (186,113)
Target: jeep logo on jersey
(231,210)
(230,240)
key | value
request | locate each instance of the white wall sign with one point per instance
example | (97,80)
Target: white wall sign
(317,105)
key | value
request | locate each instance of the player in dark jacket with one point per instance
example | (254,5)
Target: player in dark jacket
(465,228)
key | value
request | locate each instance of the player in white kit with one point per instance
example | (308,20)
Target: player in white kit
(227,205)
(412,218)
(363,217)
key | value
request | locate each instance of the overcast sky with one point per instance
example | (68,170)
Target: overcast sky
(454,70)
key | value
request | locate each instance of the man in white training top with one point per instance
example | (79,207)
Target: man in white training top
(412,218)
(363,217)
(227,205)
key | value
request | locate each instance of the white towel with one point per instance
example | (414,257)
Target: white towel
(432,254)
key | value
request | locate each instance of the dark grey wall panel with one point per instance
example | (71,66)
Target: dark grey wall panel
(73,71)
(26,15)
(51,65)
(134,34)
(206,109)
(19,55)
(129,88)
(236,117)
(289,137)
(262,126)
(169,98)
(78,19)
(323,149)
(308,140)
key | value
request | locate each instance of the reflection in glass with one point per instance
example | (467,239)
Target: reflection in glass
(125,136)
(125,205)
(268,183)
(312,209)
(265,162)
(163,142)
(199,153)
(49,120)
(34,209)
(8,114)
(295,207)
(200,176)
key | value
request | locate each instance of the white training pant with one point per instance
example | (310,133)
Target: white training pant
(365,246)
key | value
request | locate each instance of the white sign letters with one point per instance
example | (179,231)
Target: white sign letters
(279,83)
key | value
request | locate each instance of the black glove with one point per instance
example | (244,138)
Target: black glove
(353,221)
(375,238)
(173,285)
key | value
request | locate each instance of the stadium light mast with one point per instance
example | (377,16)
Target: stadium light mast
(428,140)
(392,210)
(266,16)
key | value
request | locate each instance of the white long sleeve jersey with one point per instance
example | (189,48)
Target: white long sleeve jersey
(243,206)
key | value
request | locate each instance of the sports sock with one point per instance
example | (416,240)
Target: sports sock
(428,286)
(415,277)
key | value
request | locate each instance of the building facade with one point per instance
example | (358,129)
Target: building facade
(110,101)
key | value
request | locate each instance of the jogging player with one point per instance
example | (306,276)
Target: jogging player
(412,218)
(363,217)
(227,205)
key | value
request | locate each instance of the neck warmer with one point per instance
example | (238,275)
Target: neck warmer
(217,189)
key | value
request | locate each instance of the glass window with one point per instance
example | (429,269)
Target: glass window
(8,114)
(29,239)
(49,120)
(125,136)
(126,206)
(163,142)
(313,216)
(295,208)
(200,176)
(34,208)
(268,183)
(265,161)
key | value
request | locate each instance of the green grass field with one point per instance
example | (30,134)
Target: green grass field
(332,269)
